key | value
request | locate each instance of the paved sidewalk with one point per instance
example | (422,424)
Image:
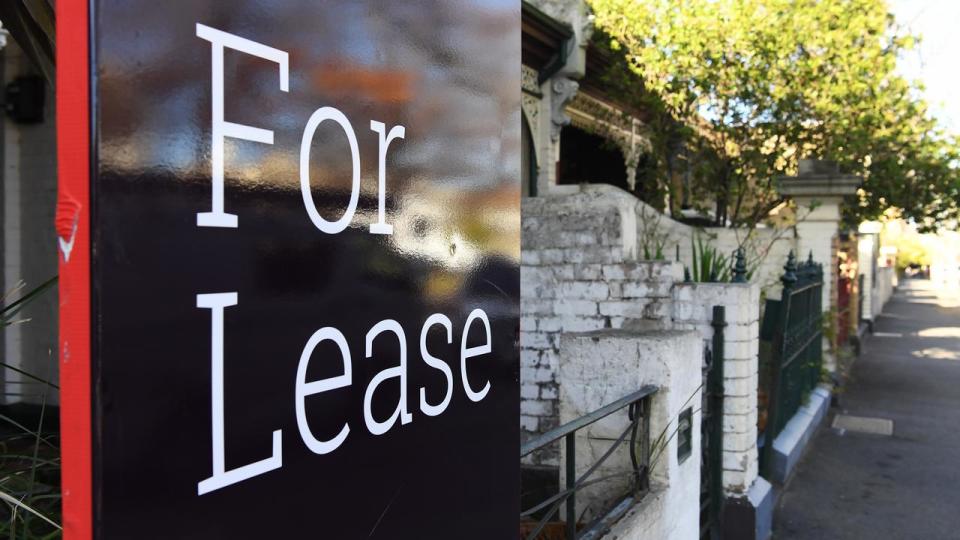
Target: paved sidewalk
(854,485)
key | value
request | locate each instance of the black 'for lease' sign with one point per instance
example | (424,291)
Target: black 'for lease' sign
(289,239)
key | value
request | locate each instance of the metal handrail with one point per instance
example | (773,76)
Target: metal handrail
(638,412)
(560,432)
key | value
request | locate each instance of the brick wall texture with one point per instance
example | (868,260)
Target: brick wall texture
(575,278)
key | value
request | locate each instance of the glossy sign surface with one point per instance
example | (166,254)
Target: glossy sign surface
(359,432)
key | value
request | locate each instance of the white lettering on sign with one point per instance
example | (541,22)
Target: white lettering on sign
(400,371)
(471,352)
(221,477)
(321,114)
(305,389)
(396,132)
(218,302)
(436,363)
(220,129)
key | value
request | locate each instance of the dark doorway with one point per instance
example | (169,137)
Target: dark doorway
(585,157)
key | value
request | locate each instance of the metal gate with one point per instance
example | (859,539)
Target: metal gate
(711,431)
(794,326)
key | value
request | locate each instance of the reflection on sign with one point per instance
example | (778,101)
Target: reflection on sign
(218,302)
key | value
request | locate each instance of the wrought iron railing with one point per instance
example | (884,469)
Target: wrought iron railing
(796,346)
(638,434)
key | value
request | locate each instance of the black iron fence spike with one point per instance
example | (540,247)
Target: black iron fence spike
(789,271)
(740,266)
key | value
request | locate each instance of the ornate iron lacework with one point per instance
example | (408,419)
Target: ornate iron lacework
(528,80)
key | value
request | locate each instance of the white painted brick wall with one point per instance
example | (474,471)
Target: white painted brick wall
(580,274)
(693,308)
(577,275)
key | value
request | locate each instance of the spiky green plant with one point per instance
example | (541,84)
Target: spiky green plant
(29,456)
(709,265)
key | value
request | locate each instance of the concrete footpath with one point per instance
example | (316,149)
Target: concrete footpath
(857,485)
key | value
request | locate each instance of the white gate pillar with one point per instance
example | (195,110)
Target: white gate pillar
(818,191)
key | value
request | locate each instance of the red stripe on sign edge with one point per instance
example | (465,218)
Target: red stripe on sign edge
(73,240)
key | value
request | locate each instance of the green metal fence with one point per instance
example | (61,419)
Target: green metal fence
(794,328)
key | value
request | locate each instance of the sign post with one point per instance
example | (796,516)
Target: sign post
(289,242)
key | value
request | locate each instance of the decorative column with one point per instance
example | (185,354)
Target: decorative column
(818,190)
(563,89)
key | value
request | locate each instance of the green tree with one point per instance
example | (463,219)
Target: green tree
(764,83)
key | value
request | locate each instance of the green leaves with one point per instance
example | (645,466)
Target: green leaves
(709,265)
(29,456)
(8,312)
(768,82)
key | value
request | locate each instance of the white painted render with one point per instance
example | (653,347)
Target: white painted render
(29,176)
(597,368)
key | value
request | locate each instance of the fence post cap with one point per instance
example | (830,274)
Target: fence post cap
(739,267)
(789,271)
